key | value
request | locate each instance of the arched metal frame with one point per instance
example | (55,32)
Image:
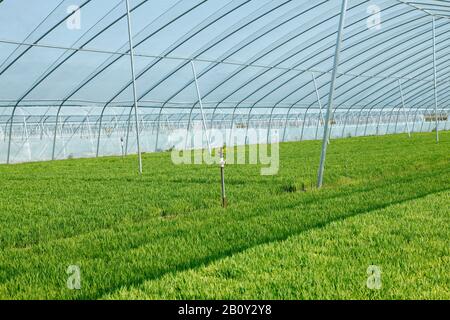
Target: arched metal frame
(358,88)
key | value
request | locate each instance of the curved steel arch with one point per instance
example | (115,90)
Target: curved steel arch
(293,92)
(404,60)
(29,35)
(268,69)
(52,69)
(172,48)
(209,46)
(102,69)
(353,57)
(43,36)
(323,50)
(350,80)
(58,65)
(293,67)
(393,79)
(293,105)
(265,71)
(247,43)
(362,96)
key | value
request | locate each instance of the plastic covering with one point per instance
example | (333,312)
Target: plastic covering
(66,88)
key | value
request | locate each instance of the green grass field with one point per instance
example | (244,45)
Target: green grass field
(164,235)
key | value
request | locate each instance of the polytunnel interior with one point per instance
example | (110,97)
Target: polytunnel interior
(67,90)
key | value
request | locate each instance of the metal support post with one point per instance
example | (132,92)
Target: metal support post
(331,96)
(136,112)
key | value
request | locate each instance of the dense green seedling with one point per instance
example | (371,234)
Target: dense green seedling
(127,232)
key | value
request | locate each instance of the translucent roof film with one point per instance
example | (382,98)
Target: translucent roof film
(248,54)
(65,68)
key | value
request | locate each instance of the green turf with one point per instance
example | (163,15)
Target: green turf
(403,241)
(165,235)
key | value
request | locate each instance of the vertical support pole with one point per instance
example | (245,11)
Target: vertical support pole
(41,126)
(403,107)
(27,138)
(331,96)
(136,113)
(379,120)
(158,128)
(10,136)
(389,121)
(331,127)
(24,124)
(222,177)
(345,123)
(88,124)
(424,119)
(396,121)
(61,133)
(122,146)
(430,127)
(320,104)
(303,124)
(187,131)
(415,119)
(435,81)
(128,131)
(248,124)
(286,123)
(231,126)
(270,125)
(100,123)
(368,118)
(358,119)
(55,133)
(201,106)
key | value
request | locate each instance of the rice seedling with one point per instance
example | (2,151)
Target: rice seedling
(160,235)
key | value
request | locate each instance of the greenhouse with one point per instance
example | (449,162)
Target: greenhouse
(97,97)
(67,89)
